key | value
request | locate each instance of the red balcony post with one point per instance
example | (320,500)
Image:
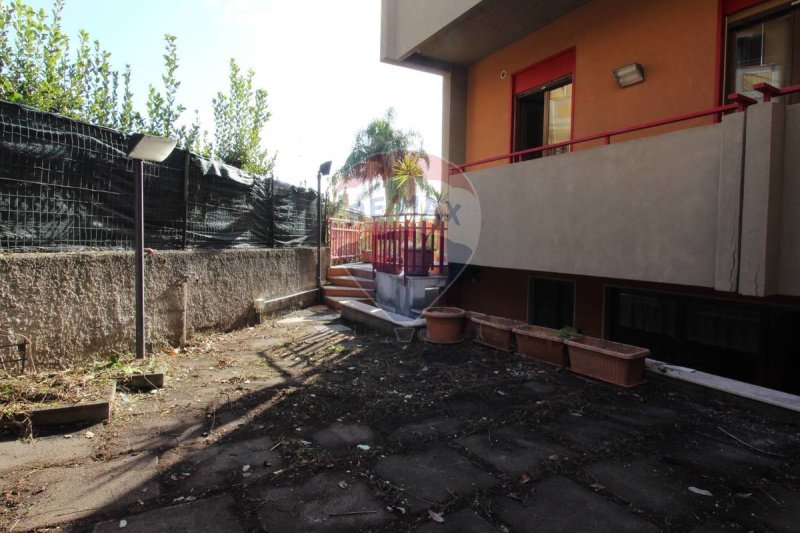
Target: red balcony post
(767,90)
(405,249)
(414,253)
(424,270)
(441,247)
(741,101)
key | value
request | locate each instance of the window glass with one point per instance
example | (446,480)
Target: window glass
(543,117)
(724,327)
(559,119)
(760,51)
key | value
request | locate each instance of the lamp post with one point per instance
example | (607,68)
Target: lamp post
(143,148)
(324,170)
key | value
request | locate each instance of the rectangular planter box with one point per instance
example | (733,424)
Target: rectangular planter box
(148,382)
(495,331)
(470,329)
(64,415)
(541,343)
(613,362)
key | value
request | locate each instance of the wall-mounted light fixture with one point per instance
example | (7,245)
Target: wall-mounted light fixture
(628,75)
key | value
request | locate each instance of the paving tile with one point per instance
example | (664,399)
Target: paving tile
(776,507)
(16,454)
(645,416)
(101,486)
(650,485)
(431,476)
(432,427)
(512,449)
(340,437)
(211,466)
(156,436)
(465,521)
(559,505)
(210,515)
(719,525)
(309,507)
(722,460)
(536,389)
(587,434)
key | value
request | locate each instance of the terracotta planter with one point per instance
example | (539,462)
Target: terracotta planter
(444,324)
(495,331)
(541,343)
(470,328)
(613,362)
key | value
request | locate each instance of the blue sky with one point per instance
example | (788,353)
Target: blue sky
(318,59)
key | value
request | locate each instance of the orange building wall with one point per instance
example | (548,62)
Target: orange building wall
(675,40)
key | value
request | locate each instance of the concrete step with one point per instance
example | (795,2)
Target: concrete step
(351,281)
(361,270)
(335,302)
(353,292)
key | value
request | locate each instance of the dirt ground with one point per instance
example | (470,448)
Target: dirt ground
(302,424)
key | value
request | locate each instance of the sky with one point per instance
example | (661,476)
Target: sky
(319,60)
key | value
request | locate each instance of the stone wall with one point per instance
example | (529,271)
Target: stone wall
(77,306)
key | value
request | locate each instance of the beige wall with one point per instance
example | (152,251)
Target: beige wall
(789,276)
(75,306)
(642,209)
(714,206)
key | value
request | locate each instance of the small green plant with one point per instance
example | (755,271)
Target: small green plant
(568,333)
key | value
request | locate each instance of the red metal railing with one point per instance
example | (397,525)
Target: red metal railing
(412,245)
(771,92)
(737,102)
(345,240)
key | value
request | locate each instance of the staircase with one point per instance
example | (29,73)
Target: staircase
(349,282)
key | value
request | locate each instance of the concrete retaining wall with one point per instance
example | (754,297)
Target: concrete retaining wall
(77,306)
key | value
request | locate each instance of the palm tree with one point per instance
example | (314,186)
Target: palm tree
(408,181)
(375,151)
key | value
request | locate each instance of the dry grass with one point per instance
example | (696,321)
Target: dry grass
(19,395)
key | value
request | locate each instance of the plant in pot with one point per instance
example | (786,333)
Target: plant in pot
(544,344)
(613,362)
(445,324)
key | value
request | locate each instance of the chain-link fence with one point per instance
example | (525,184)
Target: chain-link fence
(68,185)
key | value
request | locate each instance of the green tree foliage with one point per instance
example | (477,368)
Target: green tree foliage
(239,118)
(163,110)
(374,155)
(38,68)
(407,184)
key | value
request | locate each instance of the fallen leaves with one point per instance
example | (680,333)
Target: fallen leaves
(701,492)
(436,517)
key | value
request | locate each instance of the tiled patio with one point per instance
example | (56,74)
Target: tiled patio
(304,425)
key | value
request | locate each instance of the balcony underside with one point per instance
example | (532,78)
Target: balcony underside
(488,27)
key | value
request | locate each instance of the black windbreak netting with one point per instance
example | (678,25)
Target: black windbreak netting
(68,185)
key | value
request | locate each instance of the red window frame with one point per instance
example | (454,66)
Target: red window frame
(732,6)
(540,74)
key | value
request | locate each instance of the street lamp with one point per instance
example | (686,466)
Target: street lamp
(324,170)
(143,148)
